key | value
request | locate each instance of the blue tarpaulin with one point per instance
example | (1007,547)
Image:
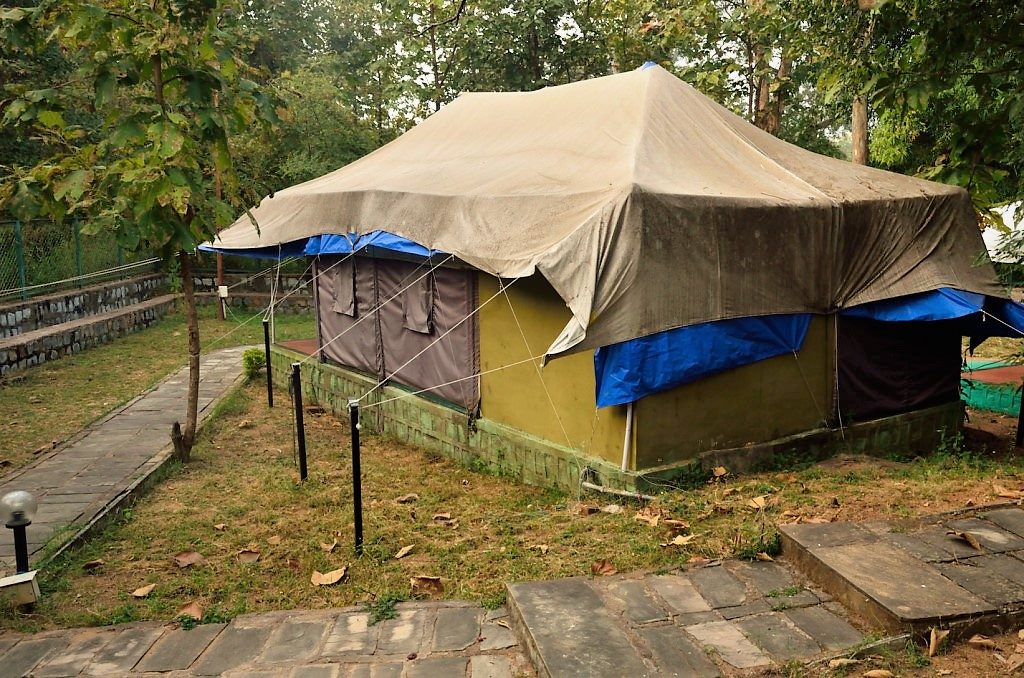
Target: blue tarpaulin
(980,316)
(942,304)
(630,370)
(379,240)
(286,251)
(333,244)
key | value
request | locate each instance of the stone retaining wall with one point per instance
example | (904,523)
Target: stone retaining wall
(206,281)
(20,352)
(487,445)
(62,307)
(248,303)
(250,294)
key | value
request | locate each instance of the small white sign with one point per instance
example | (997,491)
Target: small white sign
(222,291)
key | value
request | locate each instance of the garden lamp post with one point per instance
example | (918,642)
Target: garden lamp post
(18,508)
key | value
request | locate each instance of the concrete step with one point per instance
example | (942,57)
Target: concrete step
(51,343)
(708,620)
(910,576)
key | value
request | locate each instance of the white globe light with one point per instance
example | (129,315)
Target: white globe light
(18,506)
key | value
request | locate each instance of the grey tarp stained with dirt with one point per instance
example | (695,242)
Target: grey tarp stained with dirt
(647,207)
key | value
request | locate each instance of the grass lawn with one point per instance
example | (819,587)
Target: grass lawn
(475,531)
(57,399)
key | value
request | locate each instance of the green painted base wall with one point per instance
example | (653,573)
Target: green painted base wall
(502,450)
(1003,398)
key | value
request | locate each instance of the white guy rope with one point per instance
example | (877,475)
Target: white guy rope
(377,308)
(115,269)
(810,391)
(431,344)
(540,375)
(447,383)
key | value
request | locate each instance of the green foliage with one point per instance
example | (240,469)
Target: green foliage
(253,362)
(318,133)
(382,607)
(168,90)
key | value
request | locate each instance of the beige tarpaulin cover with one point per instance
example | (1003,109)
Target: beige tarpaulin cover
(645,204)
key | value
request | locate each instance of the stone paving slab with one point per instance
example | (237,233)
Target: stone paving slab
(909,578)
(708,620)
(298,644)
(90,473)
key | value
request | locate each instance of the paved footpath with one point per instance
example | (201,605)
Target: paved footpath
(98,467)
(425,640)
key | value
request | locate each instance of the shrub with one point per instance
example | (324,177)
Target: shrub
(253,361)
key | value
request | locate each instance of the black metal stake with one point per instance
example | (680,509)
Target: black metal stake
(20,544)
(266,351)
(357,476)
(1020,420)
(300,426)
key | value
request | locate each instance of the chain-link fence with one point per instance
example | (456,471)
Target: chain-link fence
(42,256)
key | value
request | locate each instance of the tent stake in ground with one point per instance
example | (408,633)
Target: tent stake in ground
(266,352)
(300,425)
(1020,420)
(357,479)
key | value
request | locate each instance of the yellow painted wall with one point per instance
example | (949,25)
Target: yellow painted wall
(515,396)
(754,403)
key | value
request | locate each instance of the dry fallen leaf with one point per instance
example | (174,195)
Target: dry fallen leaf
(680,540)
(841,662)
(603,567)
(982,642)
(1015,662)
(611,508)
(93,565)
(697,560)
(274,540)
(143,591)
(543,548)
(442,516)
(248,555)
(586,510)
(967,537)
(404,551)
(759,502)
(407,498)
(426,586)
(220,527)
(764,557)
(328,578)
(719,471)
(650,515)
(727,491)
(193,610)
(329,547)
(878,673)
(935,640)
(188,559)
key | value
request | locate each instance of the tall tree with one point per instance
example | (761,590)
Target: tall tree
(168,82)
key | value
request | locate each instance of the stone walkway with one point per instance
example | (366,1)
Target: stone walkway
(964,571)
(426,640)
(95,470)
(712,620)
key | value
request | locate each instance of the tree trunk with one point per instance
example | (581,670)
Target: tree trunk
(183,445)
(860,130)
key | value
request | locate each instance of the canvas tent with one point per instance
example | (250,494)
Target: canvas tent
(668,250)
